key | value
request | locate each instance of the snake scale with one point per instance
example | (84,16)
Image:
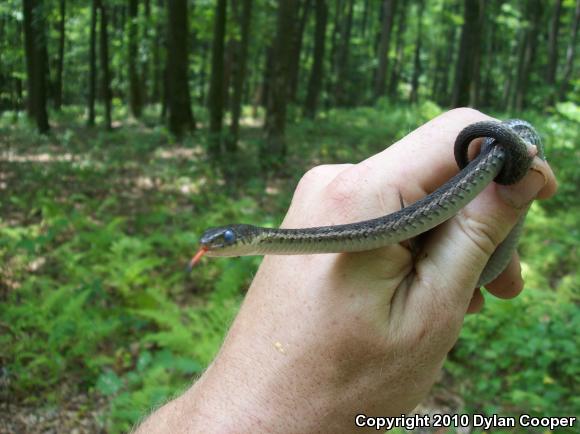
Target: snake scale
(505,158)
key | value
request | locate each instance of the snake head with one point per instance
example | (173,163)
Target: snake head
(218,238)
(222,241)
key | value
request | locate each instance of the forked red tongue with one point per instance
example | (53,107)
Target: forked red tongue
(196,258)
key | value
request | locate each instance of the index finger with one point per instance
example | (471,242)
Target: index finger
(423,160)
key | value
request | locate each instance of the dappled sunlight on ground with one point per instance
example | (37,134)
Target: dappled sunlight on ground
(44,157)
(180,152)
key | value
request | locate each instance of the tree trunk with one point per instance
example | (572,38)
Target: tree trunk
(335,37)
(60,58)
(178,99)
(396,69)
(37,61)
(146,67)
(570,53)
(470,45)
(6,90)
(529,51)
(474,94)
(240,76)
(414,96)
(315,82)
(297,48)
(228,66)
(135,100)
(512,73)
(343,56)
(29,47)
(92,64)
(105,72)
(444,70)
(216,90)
(204,50)
(165,94)
(383,52)
(553,45)
(159,42)
(365,18)
(273,151)
(267,72)
(487,71)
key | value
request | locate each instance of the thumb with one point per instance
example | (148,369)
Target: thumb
(456,253)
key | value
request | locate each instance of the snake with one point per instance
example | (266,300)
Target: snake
(505,157)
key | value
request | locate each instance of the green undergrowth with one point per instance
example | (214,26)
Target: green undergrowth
(96,228)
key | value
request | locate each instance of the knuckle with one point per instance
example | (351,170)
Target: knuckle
(465,113)
(341,192)
(312,177)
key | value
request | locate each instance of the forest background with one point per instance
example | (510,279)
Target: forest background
(127,127)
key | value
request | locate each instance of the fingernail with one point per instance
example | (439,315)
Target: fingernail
(523,192)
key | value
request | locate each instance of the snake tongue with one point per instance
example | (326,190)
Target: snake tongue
(196,258)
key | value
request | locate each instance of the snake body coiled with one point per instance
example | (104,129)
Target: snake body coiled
(504,157)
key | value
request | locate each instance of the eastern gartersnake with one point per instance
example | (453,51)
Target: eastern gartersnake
(504,157)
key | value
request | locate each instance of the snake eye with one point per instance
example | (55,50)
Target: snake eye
(229,236)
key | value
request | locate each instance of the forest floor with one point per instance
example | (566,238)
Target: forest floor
(85,413)
(100,324)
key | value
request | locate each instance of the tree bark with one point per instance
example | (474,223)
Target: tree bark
(204,50)
(135,99)
(157,91)
(529,51)
(267,72)
(178,98)
(105,72)
(508,94)
(570,53)
(492,49)
(228,66)
(145,62)
(216,90)
(92,65)
(28,12)
(60,59)
(445,62)
(5,73)
(334,49)
(273,151)
(240,76)
(36,61)
(365,18)
(297,48)
(470,45)
(553,44)
(383,51)
(400,50)
(414,96)
(317,73)
(343,57)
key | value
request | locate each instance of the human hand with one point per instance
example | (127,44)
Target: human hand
(322,338)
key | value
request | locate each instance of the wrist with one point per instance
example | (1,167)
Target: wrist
(238,394)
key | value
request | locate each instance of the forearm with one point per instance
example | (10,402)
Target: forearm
(320,338)
(274,375)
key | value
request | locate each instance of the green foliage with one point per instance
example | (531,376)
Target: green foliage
(523,352)
(98,226)
(346,135)
(93,245)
